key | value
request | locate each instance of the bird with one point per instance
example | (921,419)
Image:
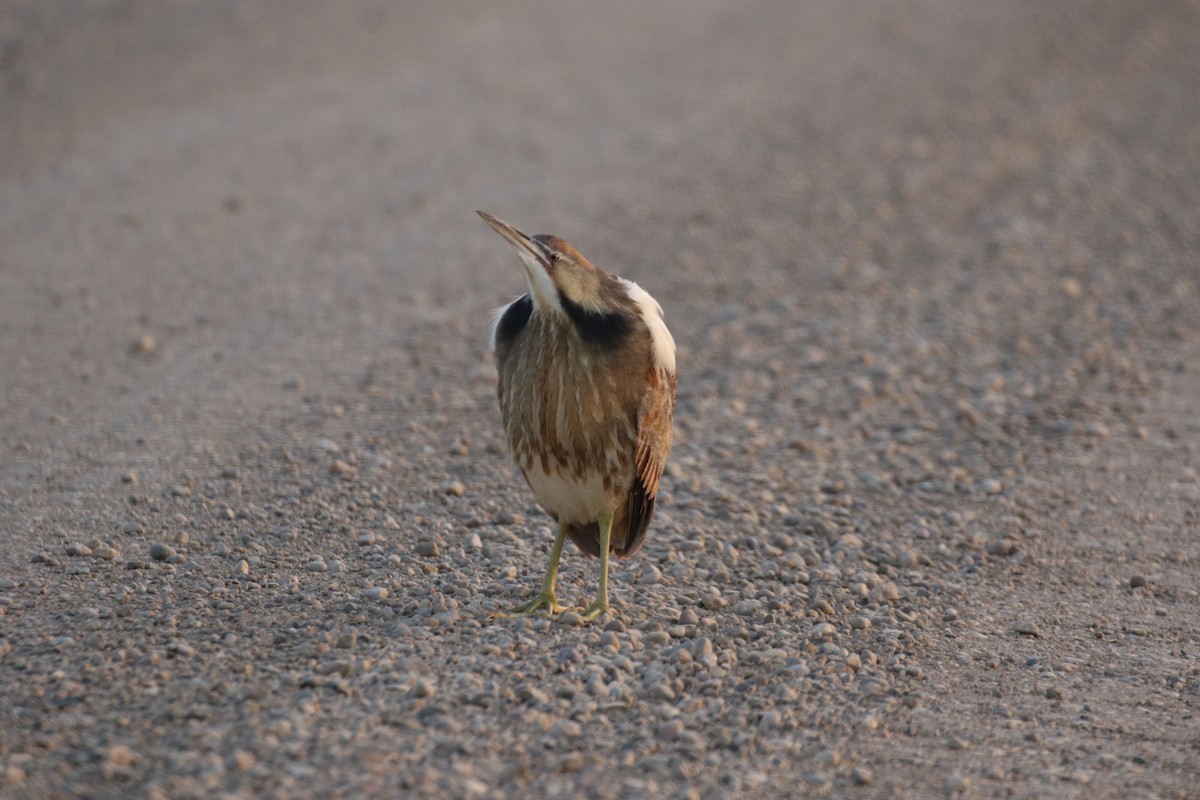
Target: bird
(586,368)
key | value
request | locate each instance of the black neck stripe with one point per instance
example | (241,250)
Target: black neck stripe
(597,327)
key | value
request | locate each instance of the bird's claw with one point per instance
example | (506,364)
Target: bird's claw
(595,611)
(543,601)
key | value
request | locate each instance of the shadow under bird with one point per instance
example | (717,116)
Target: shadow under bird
(587,395)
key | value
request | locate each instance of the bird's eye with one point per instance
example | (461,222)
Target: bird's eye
(553,258)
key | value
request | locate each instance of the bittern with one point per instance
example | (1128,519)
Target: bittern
(587,395)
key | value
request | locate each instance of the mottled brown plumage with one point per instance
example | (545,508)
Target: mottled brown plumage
(587,395)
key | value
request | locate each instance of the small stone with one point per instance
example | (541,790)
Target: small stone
(862,776)
(424,687)
(1072,287)
(293,383)
(337,566)
(1054,693)
(106,553)
(122,756)
(1002,547)
(340,467)
(161,552)
(243,567)
(181,649)
(376,593)
(428,549)
(231,473)
(859,623)
(76,549)
(508,518)
(145,345)
(328,445)
(180,490)
(182,538)
(317,565)
(1026,628)
(455,489)
(991,486)
(571,762)
(661,690)
(956,784)
(365,539)
(1137,581)
(129,477)
(242,760)
(823,630)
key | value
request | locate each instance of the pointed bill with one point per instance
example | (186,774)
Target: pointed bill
(535,258)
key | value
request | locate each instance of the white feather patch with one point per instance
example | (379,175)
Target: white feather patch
(541,286)
(497,315)
(573,500)
(652,315)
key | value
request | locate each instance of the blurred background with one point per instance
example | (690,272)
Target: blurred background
(291,184)
(933,270)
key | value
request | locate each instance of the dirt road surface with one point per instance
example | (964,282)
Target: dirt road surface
(930,528)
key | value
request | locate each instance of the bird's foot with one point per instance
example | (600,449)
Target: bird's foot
(595,611)
(543,601)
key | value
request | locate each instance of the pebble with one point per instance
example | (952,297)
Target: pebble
(823,630)
(1026,628)
(1002,547)
(1137,582)
(428,549)
(571,762)
(160,551)
(76,549)
(144,345)
(455,488)
(862,776)
(339,467)
(956,784)
(243,567)
(376,593)
(316,565)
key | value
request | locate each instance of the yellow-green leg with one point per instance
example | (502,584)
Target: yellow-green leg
(546,598)
(599,606)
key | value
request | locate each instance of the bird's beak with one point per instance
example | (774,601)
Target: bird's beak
(530,251)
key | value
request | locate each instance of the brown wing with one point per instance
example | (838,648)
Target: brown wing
(655,416)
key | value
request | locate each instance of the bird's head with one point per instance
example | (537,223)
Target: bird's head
(559,275)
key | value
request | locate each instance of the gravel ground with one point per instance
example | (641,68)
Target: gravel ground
(930,525)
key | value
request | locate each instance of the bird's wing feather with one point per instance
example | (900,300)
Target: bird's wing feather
(654,444)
